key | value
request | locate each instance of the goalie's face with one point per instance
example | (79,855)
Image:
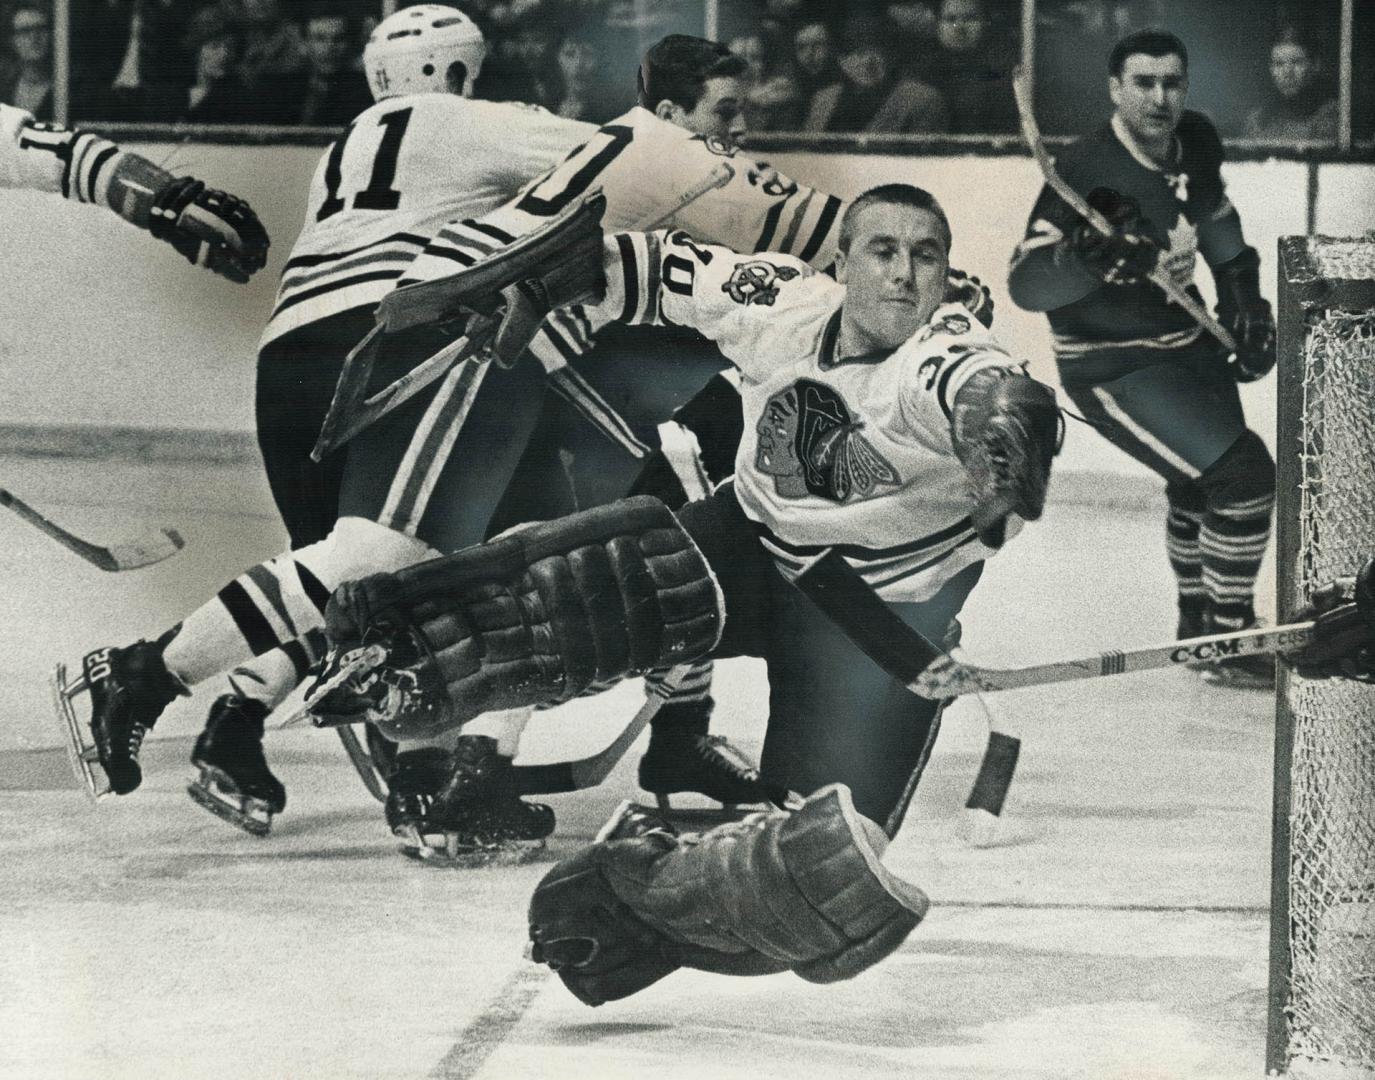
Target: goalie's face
(894,271)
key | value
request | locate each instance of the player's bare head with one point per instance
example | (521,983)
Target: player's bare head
(894,259)
(428,48)
(1148,83)
(694,83)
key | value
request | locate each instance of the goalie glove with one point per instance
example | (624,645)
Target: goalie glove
(1005,427)
(778,891)
(1125,257)
(211,228)
(515,287)
(1246,315)
(1343,644)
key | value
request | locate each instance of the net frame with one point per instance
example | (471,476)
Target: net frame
(1321,1021)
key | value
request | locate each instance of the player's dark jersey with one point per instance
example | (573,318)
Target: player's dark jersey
(1185,210)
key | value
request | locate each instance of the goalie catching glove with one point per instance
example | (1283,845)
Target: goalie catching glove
(559,263)
(1127,255)
(778,891)
(531,618)
(1005,427)
(1343,644)
(1246,315)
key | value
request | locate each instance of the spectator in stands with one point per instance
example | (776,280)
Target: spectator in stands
(583,89)
(972,68)
(123,49)
(814,58)
(533,46)
(330,92)
(26,77)
(872,96)
(272,45)
(217,94)
(1299,106)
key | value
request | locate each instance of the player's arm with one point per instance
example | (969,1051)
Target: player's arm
(1235,264)
(209,227)
(1063,259)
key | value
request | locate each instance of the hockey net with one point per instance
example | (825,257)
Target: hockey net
(1322,997)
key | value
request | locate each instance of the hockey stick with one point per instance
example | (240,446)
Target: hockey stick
(925,670)
(142,550)
(561,776)
(719,177)
(1031,132)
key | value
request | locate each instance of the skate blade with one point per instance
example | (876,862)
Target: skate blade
(214,791)
(1233,680)
(694,818)
(455,854)
(81,753)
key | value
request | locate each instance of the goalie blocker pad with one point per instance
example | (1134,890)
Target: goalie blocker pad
(532,618)
(778,891)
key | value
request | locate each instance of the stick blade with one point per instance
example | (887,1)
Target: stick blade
(143,550)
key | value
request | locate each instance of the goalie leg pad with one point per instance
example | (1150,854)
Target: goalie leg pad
(532,618)
(804,891)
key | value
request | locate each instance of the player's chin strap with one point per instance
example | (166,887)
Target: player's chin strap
(925,669)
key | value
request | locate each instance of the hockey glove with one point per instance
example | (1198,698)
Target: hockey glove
(1343,645)
(558,264)
(1246,315)
(211,228)
(962,288)
(1125,257)
(1006,429)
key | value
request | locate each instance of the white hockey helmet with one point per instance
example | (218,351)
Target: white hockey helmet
(410,52)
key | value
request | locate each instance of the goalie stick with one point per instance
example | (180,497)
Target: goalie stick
(142,550)
(1031,132)
(351,411)
(924,669)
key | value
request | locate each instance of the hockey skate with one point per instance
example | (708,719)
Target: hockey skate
(686,760)
(129,688)
(234,782)
(461,809)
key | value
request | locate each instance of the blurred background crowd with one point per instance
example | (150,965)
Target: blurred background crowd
(1263,69)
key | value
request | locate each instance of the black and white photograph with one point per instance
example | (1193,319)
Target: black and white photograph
(733,539)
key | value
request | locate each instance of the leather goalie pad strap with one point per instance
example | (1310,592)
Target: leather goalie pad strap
(802,891)
(537,616)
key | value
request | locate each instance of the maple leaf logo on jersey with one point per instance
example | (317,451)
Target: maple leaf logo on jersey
(811,445)
(1181,251)
(756,282)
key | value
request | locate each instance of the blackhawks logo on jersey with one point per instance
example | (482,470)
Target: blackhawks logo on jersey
(811,445)
(756,282)
(947,324)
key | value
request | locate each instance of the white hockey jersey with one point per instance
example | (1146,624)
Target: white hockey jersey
(846,452)
(45,157)
(654,175)
(403,168)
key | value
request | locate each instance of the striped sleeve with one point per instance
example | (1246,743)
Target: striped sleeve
(45,157)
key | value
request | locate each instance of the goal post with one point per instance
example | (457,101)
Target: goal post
(1322,933)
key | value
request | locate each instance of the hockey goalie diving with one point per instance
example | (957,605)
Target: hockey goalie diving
(667,594)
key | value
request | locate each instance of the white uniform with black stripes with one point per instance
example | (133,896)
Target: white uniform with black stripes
(405,167)
(46,157)
(654,175)
(846,452)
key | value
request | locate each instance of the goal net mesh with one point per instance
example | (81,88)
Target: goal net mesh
(1331,857)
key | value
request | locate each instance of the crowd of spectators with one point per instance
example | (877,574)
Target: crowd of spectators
(819,66)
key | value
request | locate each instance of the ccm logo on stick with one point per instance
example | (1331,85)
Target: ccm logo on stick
(1209,650)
